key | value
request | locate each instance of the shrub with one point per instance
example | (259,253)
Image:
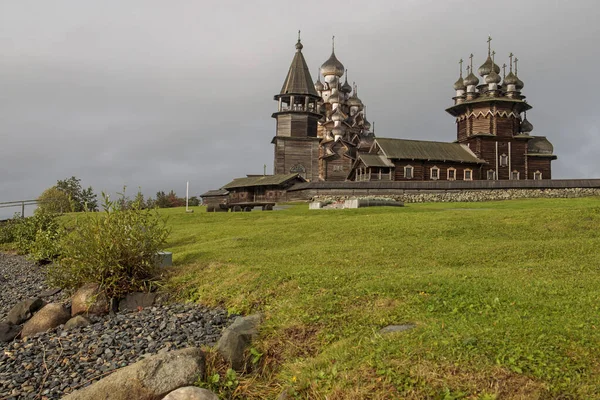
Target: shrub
(7,230)
(115,248)
(42,226)
(54,200)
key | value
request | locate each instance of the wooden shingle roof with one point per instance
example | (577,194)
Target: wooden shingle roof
(263,180)
(298,79)
(426,150)
(375,160)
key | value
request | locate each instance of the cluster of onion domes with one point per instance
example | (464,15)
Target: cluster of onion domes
(490,72)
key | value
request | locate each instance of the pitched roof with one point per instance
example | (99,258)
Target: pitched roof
(262,180)
(217,192)
(426,150)
(375,160)
(298,80)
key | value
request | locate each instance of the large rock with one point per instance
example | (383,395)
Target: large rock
(76,322)
(149,379)
(236,338)
(137,301)
(24,310)
(89,299)
(191,393)
(8,331)
(50,316)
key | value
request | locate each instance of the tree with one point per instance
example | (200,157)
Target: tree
(54,200)
(82,198)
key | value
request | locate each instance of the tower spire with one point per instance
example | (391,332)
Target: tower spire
(298,43)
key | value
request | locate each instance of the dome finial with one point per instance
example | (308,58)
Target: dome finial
(471,58)
(298,43)
(516,68)
(461,63)
(504,71)
(511,61)
(489,44)
(333,44)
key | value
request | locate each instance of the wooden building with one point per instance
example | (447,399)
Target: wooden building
(401,159)
(323,133)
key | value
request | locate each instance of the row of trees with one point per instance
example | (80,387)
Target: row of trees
(69,196)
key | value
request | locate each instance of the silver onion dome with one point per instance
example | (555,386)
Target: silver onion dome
(471,80)
(487,67)
(460,84)
(526,126)
(332,66)
(492,77)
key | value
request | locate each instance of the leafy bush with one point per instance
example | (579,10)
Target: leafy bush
(37,235)
(54,200)
(116,249)
(7,230)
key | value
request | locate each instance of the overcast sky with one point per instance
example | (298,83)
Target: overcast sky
(152,94)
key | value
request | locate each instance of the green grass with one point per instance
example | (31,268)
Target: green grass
(505,296)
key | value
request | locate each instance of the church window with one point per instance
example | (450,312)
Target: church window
(451,174)
(503,160)
(514,175)
(435,173)
(491,175)
(408,172)
(468,175)
(537,175)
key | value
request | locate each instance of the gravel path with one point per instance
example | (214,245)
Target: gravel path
(52,364)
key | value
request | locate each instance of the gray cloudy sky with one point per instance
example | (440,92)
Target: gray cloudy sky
(154,93)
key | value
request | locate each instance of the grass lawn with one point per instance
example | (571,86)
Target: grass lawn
(505,296)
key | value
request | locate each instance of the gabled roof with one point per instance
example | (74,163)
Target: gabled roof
(213,193)
(375,160)
(263,180)
(426,150)
(298,80)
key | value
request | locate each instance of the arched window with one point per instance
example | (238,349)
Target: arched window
(491,175)
(537,175)
(434,173)
(408,172)
(514,175)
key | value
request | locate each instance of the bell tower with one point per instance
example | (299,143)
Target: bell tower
(296,142)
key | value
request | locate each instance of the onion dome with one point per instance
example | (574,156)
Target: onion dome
(519,84)
(337,131)
(346,88)
(460,84)
(492,77)
(526,126)
(334,98)
(488,66)
(354,101)
(540,145)
(338,115)
(511,79)
(332,66)
(319,85)
(471,80)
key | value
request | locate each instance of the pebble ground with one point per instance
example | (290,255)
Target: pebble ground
(52,364)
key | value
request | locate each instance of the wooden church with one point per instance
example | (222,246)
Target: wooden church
(323,133)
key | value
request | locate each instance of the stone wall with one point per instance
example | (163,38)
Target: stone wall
(450,196)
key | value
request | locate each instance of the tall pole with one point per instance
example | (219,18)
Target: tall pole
(187,195)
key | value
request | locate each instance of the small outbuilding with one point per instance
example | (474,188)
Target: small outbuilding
(215,200)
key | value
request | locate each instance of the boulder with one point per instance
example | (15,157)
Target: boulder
(136,301)
(89,299)
(8,331)
(76,322)
(24,310)
(191,393)
(236,338)
(149,379)
(50,316)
